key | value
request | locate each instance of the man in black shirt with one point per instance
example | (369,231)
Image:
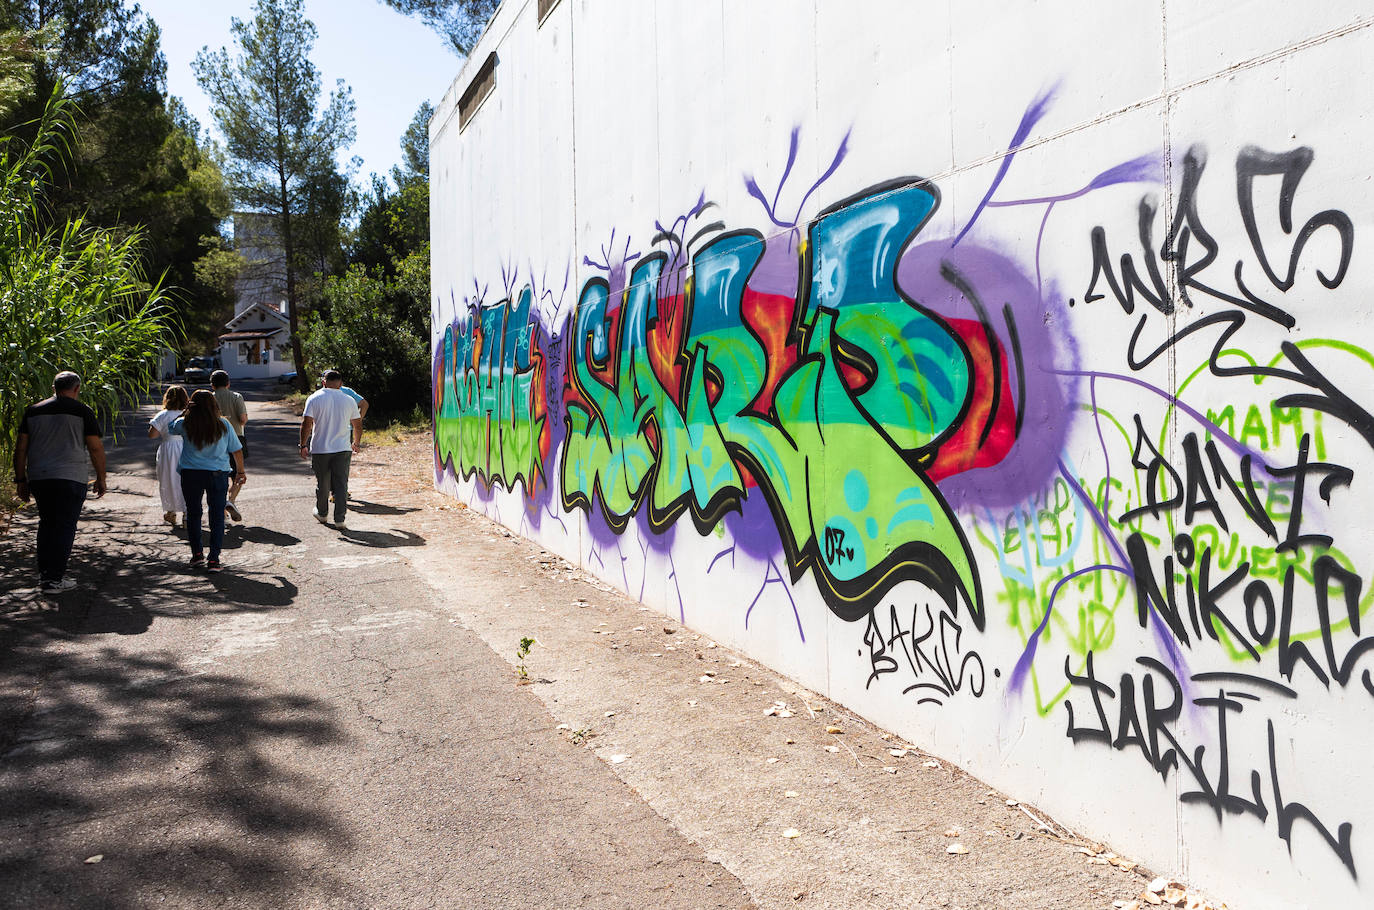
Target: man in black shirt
(50,464)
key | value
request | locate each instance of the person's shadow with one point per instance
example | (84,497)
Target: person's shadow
(242,534)
(397,538)
(364,507)
(248,591)
(235,536)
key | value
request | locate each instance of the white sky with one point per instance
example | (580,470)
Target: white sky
(392,62)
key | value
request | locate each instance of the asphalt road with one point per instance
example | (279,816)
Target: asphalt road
(308,729)
(336,721)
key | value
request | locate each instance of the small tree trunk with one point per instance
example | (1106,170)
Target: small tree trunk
(288,247)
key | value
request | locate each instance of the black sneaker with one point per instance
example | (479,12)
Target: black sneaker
(212,565)
(197,560)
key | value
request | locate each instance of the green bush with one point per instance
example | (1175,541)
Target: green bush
(363,332)
(71,297)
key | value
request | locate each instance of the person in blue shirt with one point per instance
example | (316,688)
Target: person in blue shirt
(205,465)
(359,400)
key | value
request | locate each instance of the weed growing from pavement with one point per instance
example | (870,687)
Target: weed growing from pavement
(580,736)
(520,654)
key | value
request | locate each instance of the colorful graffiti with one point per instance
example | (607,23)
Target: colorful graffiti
(490,412)
(857,404)
(833,405)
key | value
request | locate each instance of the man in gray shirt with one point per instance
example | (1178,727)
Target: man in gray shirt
(50,464)
(232,409)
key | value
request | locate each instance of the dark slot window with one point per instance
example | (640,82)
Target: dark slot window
(546,7)
(477,91)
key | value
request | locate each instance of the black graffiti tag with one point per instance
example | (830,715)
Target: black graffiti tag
(835,550)
(1146,707)
(928,644)
(1193,255)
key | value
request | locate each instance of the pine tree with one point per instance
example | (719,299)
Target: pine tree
(281,147)
(460,21)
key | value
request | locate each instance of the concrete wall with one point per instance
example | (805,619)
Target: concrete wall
(999,370)
(263,276)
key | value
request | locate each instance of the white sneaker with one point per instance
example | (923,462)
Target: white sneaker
(320,518)
(340,526)
(58,587)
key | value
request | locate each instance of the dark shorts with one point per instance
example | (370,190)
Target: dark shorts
(244,451)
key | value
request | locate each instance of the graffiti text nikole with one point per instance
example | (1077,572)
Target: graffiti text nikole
(491,416)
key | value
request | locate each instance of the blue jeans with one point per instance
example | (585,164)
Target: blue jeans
(214,486)
(59,506)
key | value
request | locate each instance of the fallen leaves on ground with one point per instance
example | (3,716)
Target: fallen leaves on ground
(1096,856)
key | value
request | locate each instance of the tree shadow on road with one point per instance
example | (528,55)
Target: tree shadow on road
(185,781)
(127,577)
(178,780)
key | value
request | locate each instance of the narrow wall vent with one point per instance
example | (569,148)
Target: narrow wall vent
(477,91)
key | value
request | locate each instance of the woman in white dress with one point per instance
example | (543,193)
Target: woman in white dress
(169,452)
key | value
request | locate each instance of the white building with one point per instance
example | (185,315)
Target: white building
(257,341)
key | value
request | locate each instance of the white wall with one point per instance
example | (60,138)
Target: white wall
(263,276)
(1032,420)
(237,368)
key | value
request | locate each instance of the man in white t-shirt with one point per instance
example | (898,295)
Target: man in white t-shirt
(331,431)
